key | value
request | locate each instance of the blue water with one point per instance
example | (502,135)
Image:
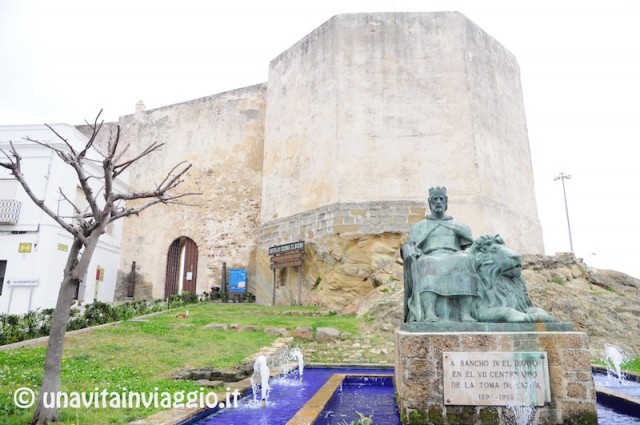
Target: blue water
(611,382)
(609,416)
(287,396)
(369,396)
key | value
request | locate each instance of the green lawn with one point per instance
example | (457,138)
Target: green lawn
(142,356)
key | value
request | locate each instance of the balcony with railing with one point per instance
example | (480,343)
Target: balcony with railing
(9,205)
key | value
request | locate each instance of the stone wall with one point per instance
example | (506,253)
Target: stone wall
(356,121)
(419,381)
(222,137)
(378,107)
(350,249)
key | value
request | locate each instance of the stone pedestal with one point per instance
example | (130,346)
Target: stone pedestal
(419,376)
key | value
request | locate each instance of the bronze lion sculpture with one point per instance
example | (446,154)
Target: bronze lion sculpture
(502,293)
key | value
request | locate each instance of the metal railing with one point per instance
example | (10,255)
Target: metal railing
(9,211)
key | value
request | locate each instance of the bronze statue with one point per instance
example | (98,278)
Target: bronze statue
(448,276)
(502,293)
(438,274)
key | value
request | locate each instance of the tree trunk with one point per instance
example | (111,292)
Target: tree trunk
(53,359)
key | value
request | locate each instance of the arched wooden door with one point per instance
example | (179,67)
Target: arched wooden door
(182,267)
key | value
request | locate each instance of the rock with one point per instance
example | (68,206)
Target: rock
(345,336)
(210,384)
(303,332)
(198,374)
(247,368)
(602,303)
(277,331)
(231,375)
(184,375)
(346,268)
(324,334)
(222,326)
(387,327)
(249,328)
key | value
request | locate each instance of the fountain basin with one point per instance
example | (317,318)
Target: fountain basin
(288,394)
(353,380)
(622,396)
(345,394)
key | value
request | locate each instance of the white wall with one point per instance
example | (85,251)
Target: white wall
(50,244)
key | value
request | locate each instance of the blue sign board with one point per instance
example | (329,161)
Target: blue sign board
(237,281)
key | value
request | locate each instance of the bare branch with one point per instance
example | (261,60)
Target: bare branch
(120,154)
(126,212)
(73,205)
(78,213)
(9,164)
(171,181)
(14,163)
(40,203)
(119,168)
(66,142)
(65,156)
(113,145)
(95,129)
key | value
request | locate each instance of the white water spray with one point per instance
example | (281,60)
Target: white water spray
(296,353)
(261,370)
(614,357)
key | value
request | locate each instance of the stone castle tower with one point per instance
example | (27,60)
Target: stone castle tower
(338,149)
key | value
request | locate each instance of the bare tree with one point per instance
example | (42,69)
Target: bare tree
(104,207)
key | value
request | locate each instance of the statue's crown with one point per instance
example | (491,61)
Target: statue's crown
(433,191)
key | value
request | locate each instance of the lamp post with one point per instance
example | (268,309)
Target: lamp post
(563,177)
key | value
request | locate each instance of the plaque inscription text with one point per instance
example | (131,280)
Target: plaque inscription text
(496,378)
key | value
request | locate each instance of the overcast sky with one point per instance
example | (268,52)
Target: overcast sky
(63,61)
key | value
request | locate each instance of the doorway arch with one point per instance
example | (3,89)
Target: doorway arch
(182,267)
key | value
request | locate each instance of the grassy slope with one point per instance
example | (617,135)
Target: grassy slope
(141,356)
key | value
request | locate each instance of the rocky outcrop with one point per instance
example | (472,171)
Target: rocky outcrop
(603,303)
(362,275)
(338,270)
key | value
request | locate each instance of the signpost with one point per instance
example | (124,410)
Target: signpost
(287,255)
(30,283)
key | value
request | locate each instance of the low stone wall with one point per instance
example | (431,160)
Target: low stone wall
(360,218)
(351,247)
(419,376)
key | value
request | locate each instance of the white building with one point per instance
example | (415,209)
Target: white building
(33,247)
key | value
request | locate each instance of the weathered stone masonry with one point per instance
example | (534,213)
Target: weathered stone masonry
(338,149)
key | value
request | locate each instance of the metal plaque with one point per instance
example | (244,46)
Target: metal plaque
(496,378)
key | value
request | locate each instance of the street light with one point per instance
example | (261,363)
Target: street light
(563,177)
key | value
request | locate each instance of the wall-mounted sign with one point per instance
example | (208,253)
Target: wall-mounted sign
(100,274)
(23,282)
(25,247)
(63,247)
(237,281)
(283,249)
